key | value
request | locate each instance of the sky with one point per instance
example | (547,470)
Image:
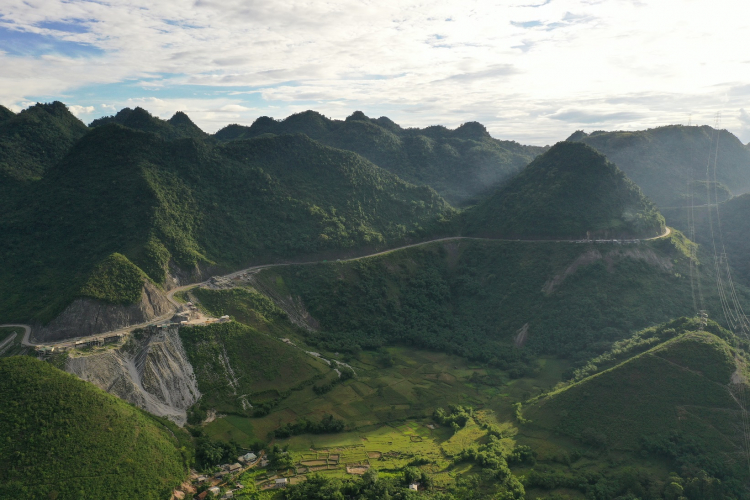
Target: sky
(533,71)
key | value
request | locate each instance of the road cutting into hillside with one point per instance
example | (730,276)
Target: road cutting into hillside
(170,294)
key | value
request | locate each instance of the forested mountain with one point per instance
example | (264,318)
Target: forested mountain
(180,126)
(63,438)
(662,160)
(485,299)
(731,230)
(691,416)
(5,113)
(569,192)
(35,139)
(194,204)
(459,164)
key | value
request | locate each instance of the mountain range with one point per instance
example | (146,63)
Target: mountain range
(535,336)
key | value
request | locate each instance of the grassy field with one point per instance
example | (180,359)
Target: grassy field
(417,383)
(615,434)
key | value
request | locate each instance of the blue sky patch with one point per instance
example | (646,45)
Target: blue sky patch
(72,26)
(25,44)
(526,24)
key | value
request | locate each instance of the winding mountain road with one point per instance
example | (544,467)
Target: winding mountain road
(170,294)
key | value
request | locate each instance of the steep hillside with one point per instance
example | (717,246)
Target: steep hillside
(674,400)
(659,160)
(125,201)
(569,192)
(150,370)
(483,300)
(5,113)
(63,438)
(35,139)
(239,367)
(180,126)
(734,216)
(459,164)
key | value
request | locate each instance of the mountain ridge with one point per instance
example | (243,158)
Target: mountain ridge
(569,192)
(460,164)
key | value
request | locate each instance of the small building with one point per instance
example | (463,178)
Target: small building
(228,494)
(235,468)
(45,351)
(113,338)
(224,319)
(281,483)
(249,457)
(201,495)
(180,317)
(214,490)
(414,486)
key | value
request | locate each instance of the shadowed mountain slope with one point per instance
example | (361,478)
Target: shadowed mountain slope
(731,232)
(659,160)
(459,164)
(569,192)
(5,113)
(180,126)
(191,205)
(35,139)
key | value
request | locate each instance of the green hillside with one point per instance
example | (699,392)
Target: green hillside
(673,400)
(180,126)
(244,365)
(459,164)
(35,139)
(5,113)
(569,192)
(475,298)
(62,438)
(195,205)
(734,216)
(660,160)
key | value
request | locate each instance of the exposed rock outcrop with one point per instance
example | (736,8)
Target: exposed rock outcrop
(151,372)
(90,316)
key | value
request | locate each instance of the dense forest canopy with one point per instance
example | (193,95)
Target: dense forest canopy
(192,203)
(459,164)
(63,438)
(569,192)
(664,160)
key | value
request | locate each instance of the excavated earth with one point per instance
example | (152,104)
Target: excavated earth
(151,372)
(86,317)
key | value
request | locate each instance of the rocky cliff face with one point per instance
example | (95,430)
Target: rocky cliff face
(89,316)
(151,371)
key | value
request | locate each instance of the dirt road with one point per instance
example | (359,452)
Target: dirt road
(170,295)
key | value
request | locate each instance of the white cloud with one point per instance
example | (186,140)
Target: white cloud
(531,74)
(81,110)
